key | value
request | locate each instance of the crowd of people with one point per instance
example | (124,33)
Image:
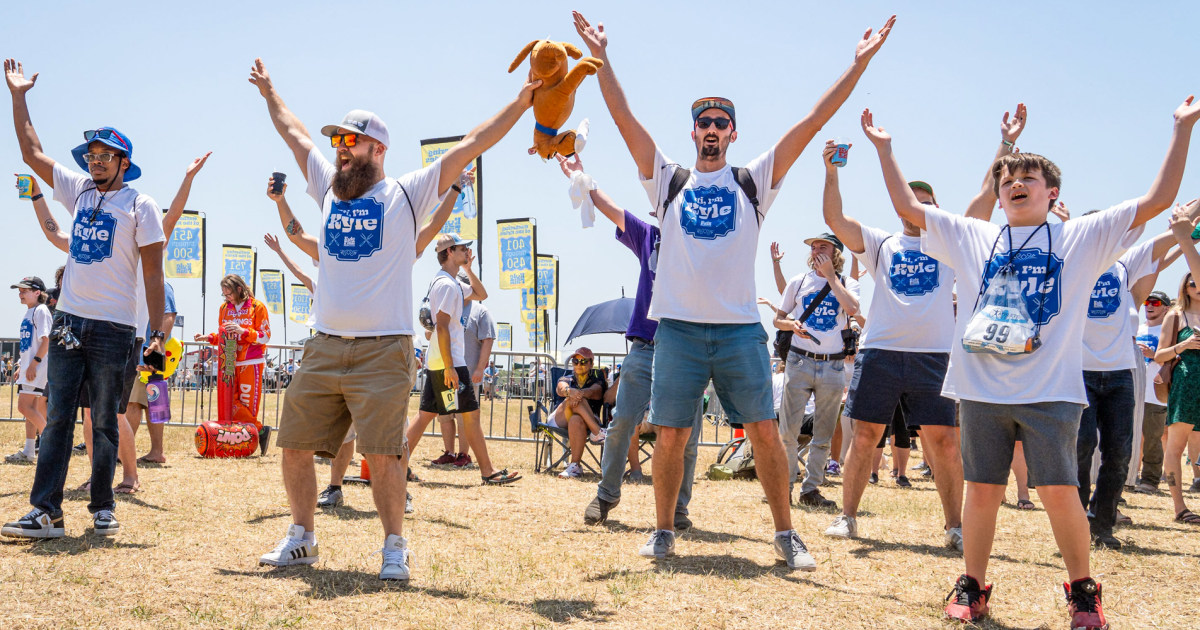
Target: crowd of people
(1040,371)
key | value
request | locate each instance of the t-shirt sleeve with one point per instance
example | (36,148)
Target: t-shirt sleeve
(789,295)
(872,238)
(660,180)
(422,188)
(487,325)
(762,171)
(442,296)
(42,321)
(149,221)
(169,300)
(951,238)
(634,232)
(1103,236)
(852,286)
(68,185)
(320,176)
(1139,261)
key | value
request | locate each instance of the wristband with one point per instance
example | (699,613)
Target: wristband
(1005,142)
(455,188)
(38,359)
(157,334)
(36,197)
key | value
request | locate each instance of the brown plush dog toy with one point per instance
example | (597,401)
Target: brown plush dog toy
(555,98)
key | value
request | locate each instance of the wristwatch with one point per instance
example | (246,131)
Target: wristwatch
(157,334)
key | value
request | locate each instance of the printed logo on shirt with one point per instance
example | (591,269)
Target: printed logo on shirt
(1148,339)
(92,241)
(26,335)
(913,273)
(1043,297)
(1106,296)
(708,213)
(354,229)
(824,317)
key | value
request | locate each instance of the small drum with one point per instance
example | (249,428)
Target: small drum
(237,439)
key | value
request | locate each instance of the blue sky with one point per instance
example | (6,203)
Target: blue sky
(1100,80)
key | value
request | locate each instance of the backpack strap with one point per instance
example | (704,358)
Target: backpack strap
(741,175)
(678,179)
(411,209)
(877,250)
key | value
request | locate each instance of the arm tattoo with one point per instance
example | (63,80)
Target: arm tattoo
(293,227)
(51,226)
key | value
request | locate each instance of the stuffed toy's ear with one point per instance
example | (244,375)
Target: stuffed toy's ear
(522,55)
(573,50)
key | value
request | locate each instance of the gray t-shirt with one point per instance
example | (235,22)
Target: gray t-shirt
(479,326)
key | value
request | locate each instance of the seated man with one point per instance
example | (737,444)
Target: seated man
(588,386)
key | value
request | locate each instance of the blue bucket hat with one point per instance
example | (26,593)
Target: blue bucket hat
(113,138)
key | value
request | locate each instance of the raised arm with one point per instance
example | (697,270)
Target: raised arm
(27,138)
(602,201)
(442,213)
(481,138)
(793,142)
(1181,227)
(985,201)
(848,230)
(291,225)
(903,199)
(478,291)
(185,188)
(1166,185)
(50,228)
(289,127)
(637,139)
(777,268)
(273,243)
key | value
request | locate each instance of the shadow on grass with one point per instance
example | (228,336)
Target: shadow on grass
(692,534)
(134,500)
(1150,527)
(565,610)
(329,584)
(74,545)
(441,484)
(347,513)
(12,494)
(442,521)
(267,517)
(1129,546)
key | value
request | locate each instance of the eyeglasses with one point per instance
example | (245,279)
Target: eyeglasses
(103,158)
(105,134)
(350,139)
(1154,302)
(581,361)
(722,123)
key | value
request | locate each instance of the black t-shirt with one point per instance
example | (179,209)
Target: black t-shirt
(52,299)
(593,377)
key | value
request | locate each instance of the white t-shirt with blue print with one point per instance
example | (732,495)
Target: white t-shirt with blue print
(828,319)
(1058,296)
(912,305)
(447,295)
(367,248)
(35,327)
(1111,314)
(709,241)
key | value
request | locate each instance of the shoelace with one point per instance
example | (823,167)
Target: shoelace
(1082,601)
(390,555)
(962,596)
(287,544)
(797,544)
(104,515)
(33,515)
(660,536)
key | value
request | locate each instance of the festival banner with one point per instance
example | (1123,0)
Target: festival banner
(529,318)
(517,244)
(300,309)
(547,282)
(503,336)
(537,331)
(527,300)
(185,251)
(239,260)
(467,217)
(272,290)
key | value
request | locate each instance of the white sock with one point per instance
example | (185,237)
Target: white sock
(784,534)
(310,537)
(29,446)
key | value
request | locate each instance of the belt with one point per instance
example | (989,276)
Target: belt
(361,338)
(820,357)
(648,342)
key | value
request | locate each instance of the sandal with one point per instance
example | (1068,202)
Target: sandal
(412,477)
(145,460)
(1189,517)
(127,488)
(1025,504)
(500,478)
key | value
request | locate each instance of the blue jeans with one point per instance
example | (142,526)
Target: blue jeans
(101,364)
(825,380)
(633,399)
(1109,413)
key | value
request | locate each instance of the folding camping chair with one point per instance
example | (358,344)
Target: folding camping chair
(546,436)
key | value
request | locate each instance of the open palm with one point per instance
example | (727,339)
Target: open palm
(876,135)
(870,44)
(14,74)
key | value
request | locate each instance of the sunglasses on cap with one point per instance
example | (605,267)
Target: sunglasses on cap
(103,158)
(1153,302)
(105,134)
(722,123)
(350,139)
(580,361)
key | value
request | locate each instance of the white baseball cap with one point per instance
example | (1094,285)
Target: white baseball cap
(360,121)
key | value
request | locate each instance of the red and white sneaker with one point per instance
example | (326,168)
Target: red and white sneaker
(968,602)
(446,459)
(1083,602)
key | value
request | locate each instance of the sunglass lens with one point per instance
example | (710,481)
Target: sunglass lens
(351,139)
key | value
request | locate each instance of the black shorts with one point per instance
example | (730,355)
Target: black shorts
(901,438)
(432,399)
(131,373)
(911,381)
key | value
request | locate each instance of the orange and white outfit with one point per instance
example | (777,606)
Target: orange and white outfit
(239,391)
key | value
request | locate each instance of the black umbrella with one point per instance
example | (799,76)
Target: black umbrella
(606,317)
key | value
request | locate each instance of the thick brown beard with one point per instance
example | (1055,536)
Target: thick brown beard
(355,179)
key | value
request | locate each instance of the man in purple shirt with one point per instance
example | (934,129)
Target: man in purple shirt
(633,395)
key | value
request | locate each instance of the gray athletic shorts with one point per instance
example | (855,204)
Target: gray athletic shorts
(1047,430)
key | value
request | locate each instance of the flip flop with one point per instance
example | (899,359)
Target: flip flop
(127,488)
(500,478)
(145,460)
(84,487)
(1025,504)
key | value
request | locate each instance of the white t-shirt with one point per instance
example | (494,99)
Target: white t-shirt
(777,382)
(446,295)
(1111,313)
(35,326)
(367,248)
(1081,250)
(1149,336)
(102,275)
(709,241)
(827,320)
(912,306)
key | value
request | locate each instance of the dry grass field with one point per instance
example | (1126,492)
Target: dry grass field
(520,557)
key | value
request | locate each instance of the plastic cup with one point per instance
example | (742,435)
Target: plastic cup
(25,186)
(840,155)
(280,178)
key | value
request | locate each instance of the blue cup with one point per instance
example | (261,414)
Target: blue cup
(840,154)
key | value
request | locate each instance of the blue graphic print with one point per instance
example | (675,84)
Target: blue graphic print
(92,241)
(1106,296)
(708,213)
(26,335)
(913,273)
(824,317)
(1042,296)
(1151,341)
(354,229)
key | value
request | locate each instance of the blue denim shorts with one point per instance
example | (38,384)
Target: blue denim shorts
(688,354)
(911,381)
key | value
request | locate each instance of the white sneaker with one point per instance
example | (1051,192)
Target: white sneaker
(35,524)
(792,550)
(104,523)
(954,538)
(395,559)
(660,545)
(20,458)
(408,506)
(293,549)
(571,471)
(598,438)
(843,527)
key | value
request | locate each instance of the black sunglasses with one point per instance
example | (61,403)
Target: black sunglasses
(581,361)
(722,123)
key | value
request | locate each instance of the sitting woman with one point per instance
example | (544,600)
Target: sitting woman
(583,398)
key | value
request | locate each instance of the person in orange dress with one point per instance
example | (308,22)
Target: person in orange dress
(244,330)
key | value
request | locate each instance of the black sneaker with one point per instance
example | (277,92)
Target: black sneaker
(1105,540)
(330,497)
(105,523)
(682,522)
(813,498)
(968,602)
(79,449)
(597,510)
(35,524)
(1083,602)
(264,440)
(874,478)
(903,482)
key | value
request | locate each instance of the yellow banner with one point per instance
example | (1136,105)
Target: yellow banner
(272,290)
(300,308)
(467,216)
(503,336)
(516,245)
(239,260)
(185,251)
(547,282)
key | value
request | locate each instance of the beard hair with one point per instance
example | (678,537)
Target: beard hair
(710,151)
(355,178)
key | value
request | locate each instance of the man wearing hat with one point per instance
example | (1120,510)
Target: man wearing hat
(815,366)
(114,227)
(31,370)
(360,366)
(704,296)
(1154,420)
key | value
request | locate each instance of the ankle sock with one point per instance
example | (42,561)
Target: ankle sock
(29,446)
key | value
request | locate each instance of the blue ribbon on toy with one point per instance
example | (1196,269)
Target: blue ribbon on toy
(544,129)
